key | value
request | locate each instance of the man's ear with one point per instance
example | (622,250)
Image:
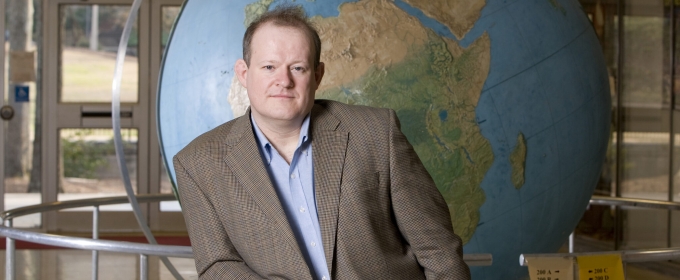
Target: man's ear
(318,73)
(241,69)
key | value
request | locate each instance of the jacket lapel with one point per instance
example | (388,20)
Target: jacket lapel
(329,146)
(244,160)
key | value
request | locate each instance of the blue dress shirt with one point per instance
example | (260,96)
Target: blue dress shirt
(294,185)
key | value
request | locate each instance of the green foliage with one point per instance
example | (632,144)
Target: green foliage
(76,24)
(83,158)
(87,152)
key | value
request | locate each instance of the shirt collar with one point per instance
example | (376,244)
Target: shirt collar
(265,146)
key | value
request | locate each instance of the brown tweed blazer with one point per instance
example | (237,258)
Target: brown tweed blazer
(381,215)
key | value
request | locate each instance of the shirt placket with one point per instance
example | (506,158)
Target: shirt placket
(299,197)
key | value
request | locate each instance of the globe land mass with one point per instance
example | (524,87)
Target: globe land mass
(458,15)
(518,159)
(253,10)
(558,6)
(431,82)
(378,55)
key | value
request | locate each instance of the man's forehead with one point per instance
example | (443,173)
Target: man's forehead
(264,35)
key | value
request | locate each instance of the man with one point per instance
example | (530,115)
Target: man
(305,189)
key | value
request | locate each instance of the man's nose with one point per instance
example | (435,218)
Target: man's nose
(284,78)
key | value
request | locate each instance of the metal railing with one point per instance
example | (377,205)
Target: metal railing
(145,250)
(627,256)
(634,202)
(95,245)
(61,205)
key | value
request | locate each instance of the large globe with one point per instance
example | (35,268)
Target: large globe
(506,102)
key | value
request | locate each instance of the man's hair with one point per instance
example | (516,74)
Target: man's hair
(284,16)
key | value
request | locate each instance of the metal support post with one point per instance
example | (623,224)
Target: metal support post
(95,236)
(143,267)
(9,256)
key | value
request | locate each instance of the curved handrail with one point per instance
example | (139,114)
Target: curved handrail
(634,202)
(97,244)
(122,246)
(185,251)
(647,255)
(478,259)
(143,248)
(59,205)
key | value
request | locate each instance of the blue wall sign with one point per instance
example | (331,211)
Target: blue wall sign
(21,94)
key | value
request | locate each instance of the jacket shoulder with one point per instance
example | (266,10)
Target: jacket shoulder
(357,116)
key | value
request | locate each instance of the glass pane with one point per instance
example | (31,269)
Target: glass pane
(645,165)
(88,166)
(643,54)
(646,98)
(644,229)
(169,15)
(89,40)
(22,179)
(22,186)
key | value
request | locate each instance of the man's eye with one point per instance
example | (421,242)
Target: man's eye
(299,69)
(269,67)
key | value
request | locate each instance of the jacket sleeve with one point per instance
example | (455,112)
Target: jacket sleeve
(214,254)
(421,212)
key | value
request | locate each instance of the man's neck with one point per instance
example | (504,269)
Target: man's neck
(283,135)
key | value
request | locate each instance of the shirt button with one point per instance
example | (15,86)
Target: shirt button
(324,278)
(292,176)
(302,209)
(313,244)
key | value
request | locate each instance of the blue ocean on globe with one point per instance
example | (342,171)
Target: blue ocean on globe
(506,102)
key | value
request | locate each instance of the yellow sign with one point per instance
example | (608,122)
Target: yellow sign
(600,267)
(551,268)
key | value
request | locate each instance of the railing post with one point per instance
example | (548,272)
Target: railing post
(9,256)
(571,242)
(143,267)
(95,236)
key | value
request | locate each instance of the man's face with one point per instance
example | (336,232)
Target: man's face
(281,79)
